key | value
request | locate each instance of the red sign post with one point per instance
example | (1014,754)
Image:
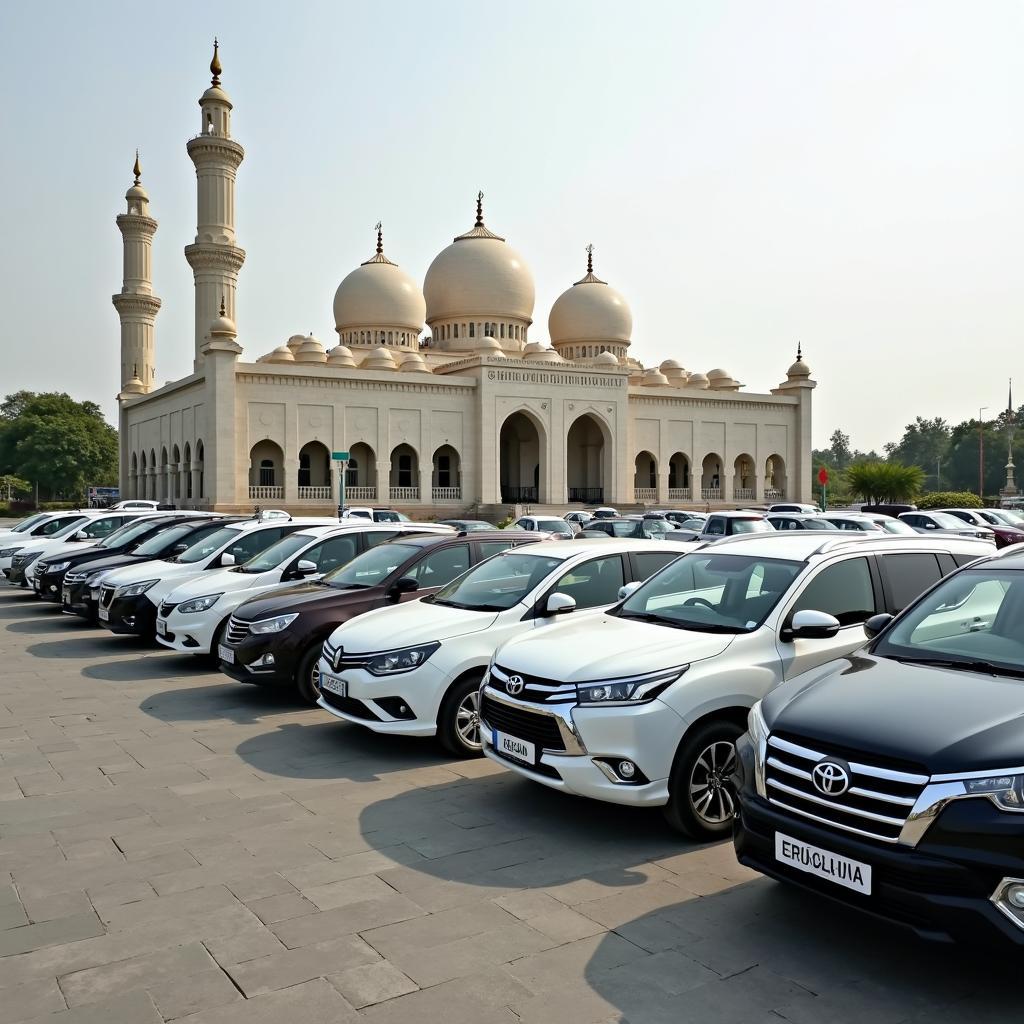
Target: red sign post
(823,480)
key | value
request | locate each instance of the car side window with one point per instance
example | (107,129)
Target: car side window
(907,576)
(441,567)
(494,547)
(524,524)
(53,526)
(914,520)
(715,527)
(647,563)
(593,583)
(101,527)
(331,553)
(379,536)
(843,590)
(250,544)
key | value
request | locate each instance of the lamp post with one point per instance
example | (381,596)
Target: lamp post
(981,454)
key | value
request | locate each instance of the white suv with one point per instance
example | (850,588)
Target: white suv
(642,705)
(192,617)
(447,639)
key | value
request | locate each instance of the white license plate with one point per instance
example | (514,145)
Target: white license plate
(333,684)
(103,613)
(94,593)
(853,874)
(161,627)
(512,746)
(226,654)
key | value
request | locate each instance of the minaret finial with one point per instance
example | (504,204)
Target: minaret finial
(590,258)
(137,169)
(380,238)
(222,306)
(215,68)
(479,210)
(799,352)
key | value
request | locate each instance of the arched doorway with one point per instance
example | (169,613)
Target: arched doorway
(404,478)
(679,486)
(446,476)
(521,453)
(176,470)
(266,471)
(315,471)
(774,478)
(744,481)
(711,478)
(163,484)
(361,473)
(200,470)
(186,469)
(133,476)
(586,455)
(645,477)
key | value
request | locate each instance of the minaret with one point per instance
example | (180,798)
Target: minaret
(1010,490)
(214,258)
(136,304)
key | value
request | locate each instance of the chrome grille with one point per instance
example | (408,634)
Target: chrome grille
(237,631)
(167,607)
(106,594)
(74,577)
(876,804)
(331,656)
(535,689)
(539,729)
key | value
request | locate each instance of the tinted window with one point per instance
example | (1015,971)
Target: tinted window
(715,526)
(498,583)
(908,576)
(843,590)
(493,547)
(169,536)
(593,583)
(101,527)
(371,567)
(332,552)
(250,544)
(55,526)
(379,536)
(440,567)
(647,563)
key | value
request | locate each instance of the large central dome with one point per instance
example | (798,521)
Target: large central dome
(479,275)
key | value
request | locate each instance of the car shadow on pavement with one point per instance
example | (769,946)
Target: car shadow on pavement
(15,609)
(90,645)
(147,662)
(223,698)
(45,623)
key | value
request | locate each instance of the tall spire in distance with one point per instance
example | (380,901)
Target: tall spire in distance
(215,66)
(137,169)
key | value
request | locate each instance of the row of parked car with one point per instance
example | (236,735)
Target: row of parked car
(847,705)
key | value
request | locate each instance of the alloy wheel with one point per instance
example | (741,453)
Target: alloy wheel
(710,789)
(467,719)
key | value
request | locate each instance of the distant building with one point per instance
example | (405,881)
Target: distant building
(477,412)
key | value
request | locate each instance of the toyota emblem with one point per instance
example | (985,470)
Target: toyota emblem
(514,685)
(830,778)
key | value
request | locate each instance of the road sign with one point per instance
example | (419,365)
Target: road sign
(340,456)
(823,476)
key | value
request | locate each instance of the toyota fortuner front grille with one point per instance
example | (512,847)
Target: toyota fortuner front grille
(539,729)
(533,689)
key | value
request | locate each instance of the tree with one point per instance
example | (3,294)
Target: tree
(11,485)
(882,483)
(964,459)
(52,440)
(839,447)
(924,443)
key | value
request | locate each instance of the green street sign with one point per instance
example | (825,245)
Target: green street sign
(339,456)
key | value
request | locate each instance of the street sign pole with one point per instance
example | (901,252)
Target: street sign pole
(823,480)
(342,459)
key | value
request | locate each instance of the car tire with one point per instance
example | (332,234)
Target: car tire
(701,800)
(307,676)
(458,721)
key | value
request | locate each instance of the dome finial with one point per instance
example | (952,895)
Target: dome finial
(479,210)
(799,352)
(222,313)
(380,238)
(215,67)
(137,169)
(590,258)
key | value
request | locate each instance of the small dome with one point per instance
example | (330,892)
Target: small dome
(489,344)
(137,192)
(223,326)
(414,363)
(654,378)
(799,370)
(281,354)
(134,387)
(548,355)
(295,342)
(590,311)
(721,380)
(379,359)
(342,356)
(697,380)
(606,359)
(533,349)
(311,351)
(215,94)
(670,364)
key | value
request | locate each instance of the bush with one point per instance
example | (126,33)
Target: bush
(950,499)
(58,506)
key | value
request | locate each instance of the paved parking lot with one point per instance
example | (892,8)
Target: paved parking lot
(181,847)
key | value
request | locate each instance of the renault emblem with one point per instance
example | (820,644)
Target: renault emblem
(514,685)
(336,660)
(830,778)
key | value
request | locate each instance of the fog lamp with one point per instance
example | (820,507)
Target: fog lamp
(1015,895)
(264,661)
(627,769)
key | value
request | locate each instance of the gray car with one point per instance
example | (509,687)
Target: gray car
(942,523)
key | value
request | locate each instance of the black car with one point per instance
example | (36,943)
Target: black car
(893,779)
(50,572)
(81,585)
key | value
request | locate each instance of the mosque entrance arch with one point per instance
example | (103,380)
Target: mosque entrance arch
(588,454)
(522,447)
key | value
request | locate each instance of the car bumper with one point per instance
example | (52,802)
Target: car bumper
(48,586)
(941,889)
(248,663)
(79,599)
(132,616)
(177,633)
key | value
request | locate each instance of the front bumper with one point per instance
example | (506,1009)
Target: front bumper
(48,585)
(246,666)
(79,599)
(131,616)
(941,889)
(188,634)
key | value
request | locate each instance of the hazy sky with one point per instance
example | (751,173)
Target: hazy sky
(848,174)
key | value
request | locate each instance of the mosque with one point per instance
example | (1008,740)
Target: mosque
(443,396)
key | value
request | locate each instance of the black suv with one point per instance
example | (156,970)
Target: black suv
(893,779)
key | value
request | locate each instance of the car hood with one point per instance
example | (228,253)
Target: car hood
(113,561)
(304,595)
(937,719)
(606,647)
(159,570)
(67,548)
(404,625)
(222,581)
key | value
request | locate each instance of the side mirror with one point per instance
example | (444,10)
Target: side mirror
(227,558)
(629,589)
(405,585)
(811,625)
(559,604)
(81,535)
(876,624)
(179,548)
(305,567)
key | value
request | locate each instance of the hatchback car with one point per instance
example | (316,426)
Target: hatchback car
(891,779)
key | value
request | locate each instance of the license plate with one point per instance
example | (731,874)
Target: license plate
(333,684)
(103,613)
(94,593)
(226,654)
(161,627)
(853,874)
(512,746)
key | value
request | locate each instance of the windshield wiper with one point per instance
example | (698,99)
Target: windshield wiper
(970,665)
(697,627)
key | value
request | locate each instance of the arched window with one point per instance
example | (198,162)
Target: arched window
(266,473)
(352,472)
(456,330)
(472,331)
(303,469)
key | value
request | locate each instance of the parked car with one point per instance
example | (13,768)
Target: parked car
(606,512)
(857,521)
(625,527)
(1003,534)
(430,684)
(376,515)
(277,640)
(18,553)
(129,597)
(468,525)
(794,506)
(729,524)
(24,526)
(642,704)
(545,524)
(135,504)
(995,516)
(80,590)
(943,523)
(687,520)
(579,517)
(888,510)
(192,618)
(799,521)
(890,779)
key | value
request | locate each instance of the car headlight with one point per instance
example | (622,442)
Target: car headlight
(136,589)
(274,625)
(54,567)
(200,604)
(97,576)
(1005,791)
(392,662)
(29,558)
(758,729)
(628,690)
(8,552)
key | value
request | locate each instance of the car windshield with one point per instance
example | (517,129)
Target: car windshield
(819,524)
(370,568)
(1008,516)
(751,526)
(712,593)
(555,526)
(125,535)
(896,526)
(947,521)
(970,621)
(277,553)
(498,583)
(207,545)
(27,524)
(70,526)
(390,517)
(157,544)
